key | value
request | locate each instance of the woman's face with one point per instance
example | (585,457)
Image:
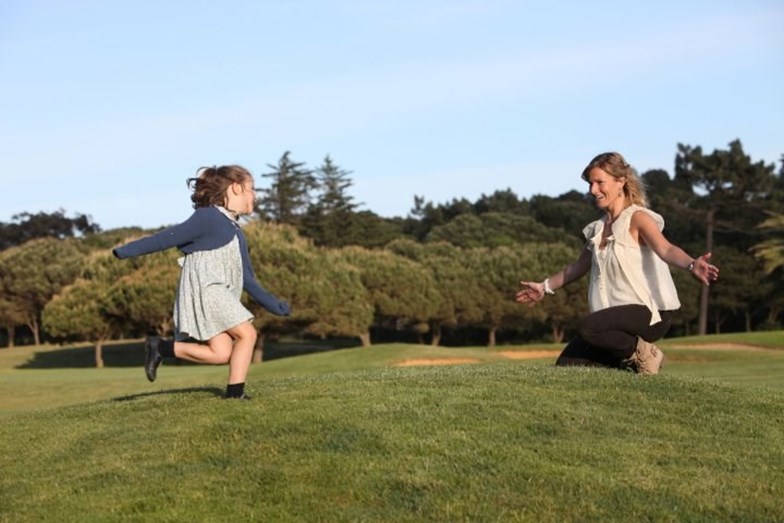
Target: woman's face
(605,189)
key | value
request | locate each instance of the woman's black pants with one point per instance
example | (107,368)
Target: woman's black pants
(609,337)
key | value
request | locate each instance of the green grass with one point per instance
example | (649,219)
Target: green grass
(762,339)
(752,359)
(346,436)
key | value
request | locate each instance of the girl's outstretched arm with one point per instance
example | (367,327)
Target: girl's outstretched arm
(175,236)
(262,296)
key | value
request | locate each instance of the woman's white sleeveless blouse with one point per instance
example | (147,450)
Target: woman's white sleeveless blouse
(625,272)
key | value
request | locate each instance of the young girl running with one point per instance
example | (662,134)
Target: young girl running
(210,323)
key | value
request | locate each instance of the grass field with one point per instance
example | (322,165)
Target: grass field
(356,435)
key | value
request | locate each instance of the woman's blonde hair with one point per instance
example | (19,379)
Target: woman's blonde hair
(211,183)
(616,166)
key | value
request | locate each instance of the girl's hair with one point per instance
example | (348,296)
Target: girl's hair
(211,183)
(615,165)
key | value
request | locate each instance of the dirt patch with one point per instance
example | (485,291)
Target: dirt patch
(719,346)
(535,354)
(438,361)
(529,354)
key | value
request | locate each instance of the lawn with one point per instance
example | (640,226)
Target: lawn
(351,435)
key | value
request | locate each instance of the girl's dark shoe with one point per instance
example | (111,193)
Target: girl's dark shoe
(243,397)
(152,357)
(236,391)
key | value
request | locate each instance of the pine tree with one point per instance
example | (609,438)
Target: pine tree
(289,194)
(730,193)
(334,183)
(330,220)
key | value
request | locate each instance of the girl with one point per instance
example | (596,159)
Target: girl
(631,292)
(215,269)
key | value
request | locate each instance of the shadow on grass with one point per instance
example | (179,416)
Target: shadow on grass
(215,391)
(275,350)
(131,354)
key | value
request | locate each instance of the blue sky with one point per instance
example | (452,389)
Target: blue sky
(106,107)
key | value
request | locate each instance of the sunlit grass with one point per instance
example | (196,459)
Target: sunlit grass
(502,440)
(49,376)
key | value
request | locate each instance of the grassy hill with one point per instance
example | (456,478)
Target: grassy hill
(350,436)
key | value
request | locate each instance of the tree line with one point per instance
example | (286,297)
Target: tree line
(447,273)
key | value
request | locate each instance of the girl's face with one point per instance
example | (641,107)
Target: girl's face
(241,197)
(605,189)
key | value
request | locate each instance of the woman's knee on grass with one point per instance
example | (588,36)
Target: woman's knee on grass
(589,330)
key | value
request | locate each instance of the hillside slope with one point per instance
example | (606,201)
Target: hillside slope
(489,441)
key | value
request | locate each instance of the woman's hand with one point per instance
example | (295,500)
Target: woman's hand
(703,270)
(530,293)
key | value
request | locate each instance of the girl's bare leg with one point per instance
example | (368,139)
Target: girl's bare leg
(217,350)
(244,336)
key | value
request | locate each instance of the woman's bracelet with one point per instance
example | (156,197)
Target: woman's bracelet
(547,289)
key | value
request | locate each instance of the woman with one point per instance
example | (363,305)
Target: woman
(631,293)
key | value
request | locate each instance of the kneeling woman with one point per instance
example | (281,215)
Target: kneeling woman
(631,293)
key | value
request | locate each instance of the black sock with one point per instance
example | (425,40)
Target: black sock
(166,348)
(235,390)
